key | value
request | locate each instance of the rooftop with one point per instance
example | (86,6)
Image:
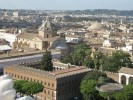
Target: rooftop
(97,26)
(26,35)
(55,74)
(126,70)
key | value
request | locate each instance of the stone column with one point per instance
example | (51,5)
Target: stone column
(127,80)
(119,79)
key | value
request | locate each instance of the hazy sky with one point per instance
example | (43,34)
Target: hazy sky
(67,4)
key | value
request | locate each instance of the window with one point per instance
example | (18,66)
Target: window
(21,77)
(48,84)
(75,40)
(62,84)
(66,83)
(18,76)
(58,93)
(48,92)
(69,82)
(52,93)
(47,36)
(72,81)
(44,91)
(58,84)
(76,80)
(52,84)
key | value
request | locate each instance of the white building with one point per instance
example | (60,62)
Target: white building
(8,37)
(128,48)
(108,43)
(16,14)
(73,39)
(126,76)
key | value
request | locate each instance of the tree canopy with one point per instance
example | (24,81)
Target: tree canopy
(117,60)
(31,88)
(18,85)
(79,56)
(28,88)
(125,94)
(88,89)
(83,55)
(46,62)
(89,82)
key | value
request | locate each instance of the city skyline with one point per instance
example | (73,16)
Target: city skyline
(67,4)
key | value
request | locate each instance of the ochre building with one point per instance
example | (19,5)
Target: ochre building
(58,85)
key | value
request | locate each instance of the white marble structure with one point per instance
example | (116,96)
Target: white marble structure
(6,89)
(126,76)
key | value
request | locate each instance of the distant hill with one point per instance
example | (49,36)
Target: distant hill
(103,11)
(88,11)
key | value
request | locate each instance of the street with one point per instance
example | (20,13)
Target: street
(18,60)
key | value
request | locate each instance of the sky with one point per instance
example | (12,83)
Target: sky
(67,4)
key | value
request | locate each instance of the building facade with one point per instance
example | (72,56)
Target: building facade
(126,76)
(58,85)
(45,39)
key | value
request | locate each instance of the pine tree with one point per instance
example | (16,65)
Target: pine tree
(46,63)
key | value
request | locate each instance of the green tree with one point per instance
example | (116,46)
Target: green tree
(88,89)
(77,57)
(82,46)
(88,84)
(31,88)
(18,85)
(28,88)
(101,62)
(117,60)
(125,94)
(67,59)
(46,62)
(80,53)
(88,62)
(98,58)
(94,75)
(96,63)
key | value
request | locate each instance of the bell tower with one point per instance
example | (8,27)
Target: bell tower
(47,29)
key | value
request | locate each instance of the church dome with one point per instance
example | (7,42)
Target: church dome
(46,26)
(97,26)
